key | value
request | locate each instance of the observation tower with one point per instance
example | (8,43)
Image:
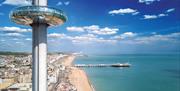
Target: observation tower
(39,16)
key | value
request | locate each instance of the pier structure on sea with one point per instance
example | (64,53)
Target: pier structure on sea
(104,65)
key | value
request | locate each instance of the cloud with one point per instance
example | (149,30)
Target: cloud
(124,38)
(147,1)
(56,35)
(136,13)
(154,16)
(95,29)
(84,39)
(59,3)
(14,29)
(75,29)
(159,15)
(28,39)
(17,2)
(92,27)
(170,10)
(63,3)
(101,31)
(106,31)
(13,35)
(125,35)
(90,38)
(136,38)
(150,16)
(162,15)
(18,42)
(124,11)
(66,3)
(168,37)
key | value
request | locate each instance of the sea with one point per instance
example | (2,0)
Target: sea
(148,72)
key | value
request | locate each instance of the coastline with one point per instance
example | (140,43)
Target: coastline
(77,76)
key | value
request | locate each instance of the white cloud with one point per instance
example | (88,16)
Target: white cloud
(101,31)
(56,35)
(84,39)
(154,16)
(90,38)
(150,16)
(125,35)
(20,43)
(13,35)
(136,13)
(128,34)
(170,10)
(17,2)
(95,29)
(63,3)
(157,37)
(124,11)
(173,35)
(147,1)
(135,38)
(59,3)
(28,39)
(14,29)
(125,38)
(92,27)
(106,31)
(77,29)
(67,3)
(162,15)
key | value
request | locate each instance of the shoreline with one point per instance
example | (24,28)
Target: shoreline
(77,76)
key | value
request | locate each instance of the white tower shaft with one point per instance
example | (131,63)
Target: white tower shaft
(39,18)
(39,52)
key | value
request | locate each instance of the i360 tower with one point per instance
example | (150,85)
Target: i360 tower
(39,16)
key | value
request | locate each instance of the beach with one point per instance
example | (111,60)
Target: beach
(77,77)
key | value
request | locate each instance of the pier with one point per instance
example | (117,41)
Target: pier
(104,65)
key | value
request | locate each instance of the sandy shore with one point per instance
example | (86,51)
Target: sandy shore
(78,77)
(67,61)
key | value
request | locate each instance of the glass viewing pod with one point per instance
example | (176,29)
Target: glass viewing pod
(27,15)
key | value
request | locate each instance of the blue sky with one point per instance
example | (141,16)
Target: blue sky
(101,27)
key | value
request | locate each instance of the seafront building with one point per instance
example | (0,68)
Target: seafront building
(16,75)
